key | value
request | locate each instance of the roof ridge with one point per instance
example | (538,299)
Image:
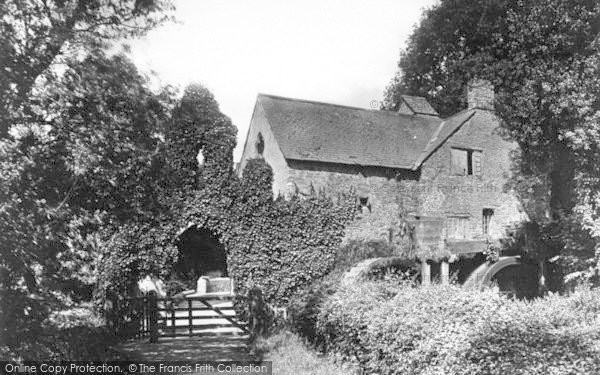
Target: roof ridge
(326,132)
(413,96)
(427,151)
(382,111)
(459,113)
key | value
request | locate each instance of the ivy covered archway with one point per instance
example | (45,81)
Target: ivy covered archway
(205,218)
(201,253)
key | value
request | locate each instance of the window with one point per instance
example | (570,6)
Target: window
(457,227)
(291,190)
(364,205)
(487,218)
(260,144)
(465,162)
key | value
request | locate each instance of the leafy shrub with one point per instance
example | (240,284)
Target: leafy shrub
(175,286)
(390,329)
(306,304)
(75,334)
(342,324)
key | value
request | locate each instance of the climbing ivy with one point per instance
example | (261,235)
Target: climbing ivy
(274,245)
(281,245)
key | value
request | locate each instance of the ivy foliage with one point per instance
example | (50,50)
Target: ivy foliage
(275,245)
(197,126)
(185,193)
(282,245)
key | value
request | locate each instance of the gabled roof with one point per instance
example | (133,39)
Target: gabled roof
(443,132)
(313,131)
(419,105)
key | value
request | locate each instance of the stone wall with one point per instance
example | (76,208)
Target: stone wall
(378,186)
(446,195)
(430,192)
(383,194)
(271,152)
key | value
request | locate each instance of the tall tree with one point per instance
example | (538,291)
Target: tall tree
(89,161)
(541,58)
(34,33)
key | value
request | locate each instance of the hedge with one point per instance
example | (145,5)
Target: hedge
(450,330)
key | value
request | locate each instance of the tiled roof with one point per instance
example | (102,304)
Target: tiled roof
(314,131)
(419,105)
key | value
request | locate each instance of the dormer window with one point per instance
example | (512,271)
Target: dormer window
(260,144)
(465,162)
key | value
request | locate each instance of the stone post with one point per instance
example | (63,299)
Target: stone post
(202,285)
(425,273)
(445,272)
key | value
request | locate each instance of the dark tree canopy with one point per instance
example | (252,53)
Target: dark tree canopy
(542,58)
(35,33)
(88,161)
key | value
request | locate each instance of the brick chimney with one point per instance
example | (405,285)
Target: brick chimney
(480,94)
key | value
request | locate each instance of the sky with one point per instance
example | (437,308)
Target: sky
(335,51)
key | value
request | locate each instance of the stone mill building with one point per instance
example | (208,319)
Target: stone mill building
(447,177)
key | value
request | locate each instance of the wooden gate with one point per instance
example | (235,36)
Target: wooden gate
(207,315)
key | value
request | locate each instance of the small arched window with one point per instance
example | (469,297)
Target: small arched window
(364,204)
(200,158)
(260,144)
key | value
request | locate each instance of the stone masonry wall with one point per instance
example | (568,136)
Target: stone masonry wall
(443,194)
(271,153)
(378,185)
(432,191)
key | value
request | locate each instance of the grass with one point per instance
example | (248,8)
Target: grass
(292,356)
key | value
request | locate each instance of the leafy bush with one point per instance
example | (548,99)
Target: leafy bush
(306,304)
(449,330)
(342,324)
(74,334)
(175,285)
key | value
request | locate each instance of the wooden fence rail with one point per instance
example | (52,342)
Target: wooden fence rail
(154,317)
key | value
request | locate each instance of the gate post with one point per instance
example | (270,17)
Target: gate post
(153,316)
(425,273)
(115,319)
(445,272)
